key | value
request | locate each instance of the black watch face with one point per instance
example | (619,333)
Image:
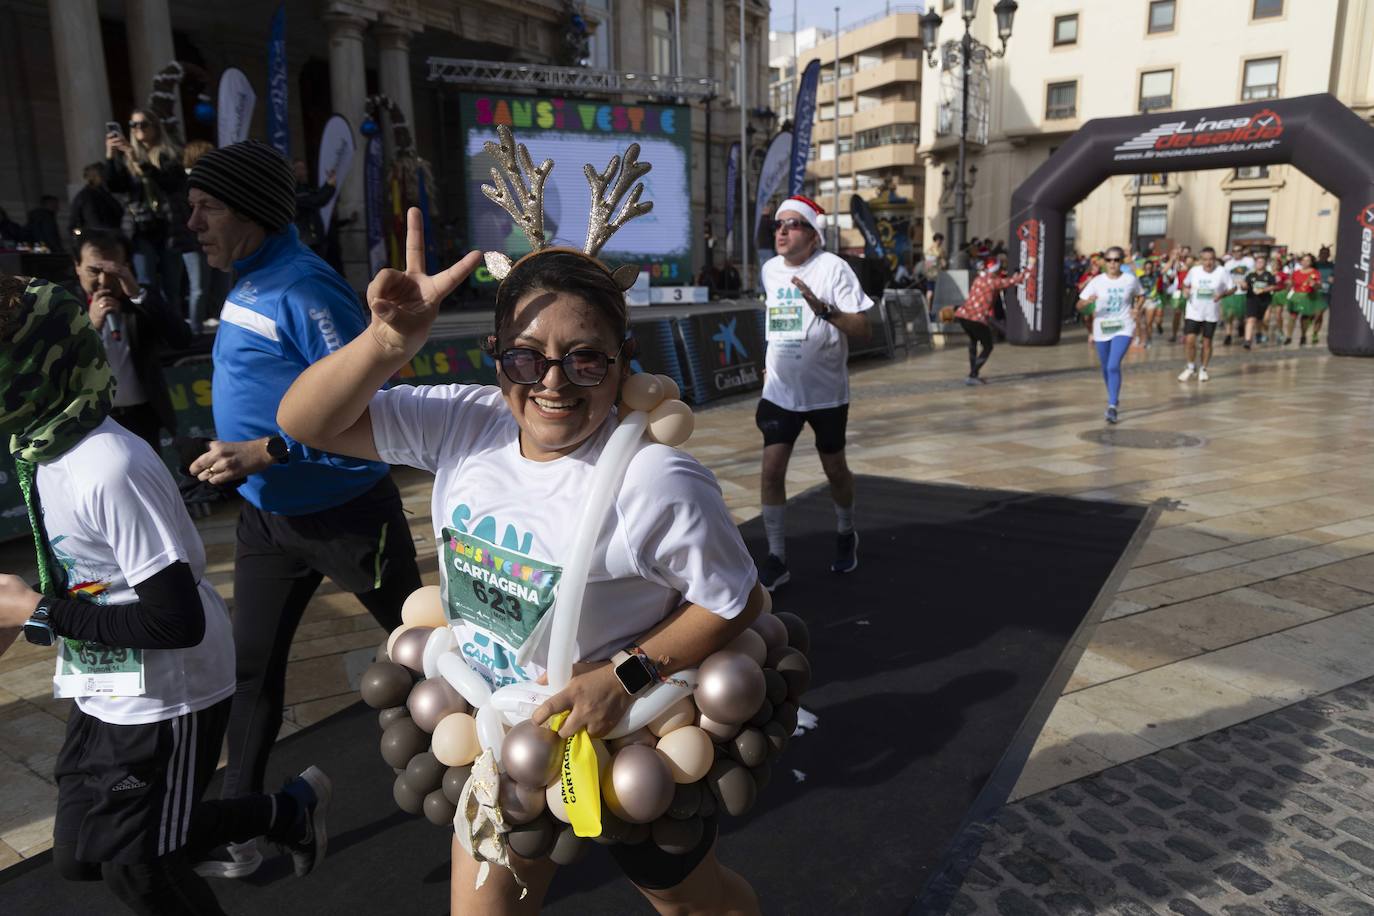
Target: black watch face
(38,634)
(634,675)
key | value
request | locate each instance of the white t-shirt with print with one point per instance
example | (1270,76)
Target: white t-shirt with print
(1114,313)
(114,518)
(807,362)
(507,523)
(1205,291)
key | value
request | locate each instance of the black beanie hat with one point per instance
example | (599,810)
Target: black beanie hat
(252,178)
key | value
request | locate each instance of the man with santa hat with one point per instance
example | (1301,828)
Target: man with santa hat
(814,304)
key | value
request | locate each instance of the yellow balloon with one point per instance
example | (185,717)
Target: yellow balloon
(642,392)
(671,423)
(689,753)
(422,608)
(455,740)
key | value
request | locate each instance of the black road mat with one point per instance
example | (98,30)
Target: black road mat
(935,664)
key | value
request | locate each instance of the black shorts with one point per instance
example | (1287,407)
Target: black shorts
(1256,307)
(352,544)
(782,427)
(125,792)
(1205,328)
(652,868)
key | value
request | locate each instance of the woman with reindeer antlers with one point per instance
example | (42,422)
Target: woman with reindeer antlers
(670,578)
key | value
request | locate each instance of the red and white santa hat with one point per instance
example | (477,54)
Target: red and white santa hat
(804,207)
(991,265)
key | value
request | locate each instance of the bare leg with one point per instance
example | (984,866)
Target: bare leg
(1317,325)
(1250,324)
(1178,320)
(773,489)
(500,895)
(1190,348)
(710,890)
(840,477)
(1206,351)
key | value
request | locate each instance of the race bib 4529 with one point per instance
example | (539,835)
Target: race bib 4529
(496,588)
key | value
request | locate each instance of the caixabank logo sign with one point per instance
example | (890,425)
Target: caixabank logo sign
(1260,131)
(1031,235)
(1362,264)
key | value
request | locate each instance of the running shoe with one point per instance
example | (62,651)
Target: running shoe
(1111,414)
(1226,341)
(773,573)
(1186,374)
(1173,338)
(312,790)
(234,860)
(1246,344)
(1287,341)
(1302,341)
(1202,375)
(971,381)
(846,553)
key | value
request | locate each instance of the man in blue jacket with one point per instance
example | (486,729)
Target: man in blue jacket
(307,514)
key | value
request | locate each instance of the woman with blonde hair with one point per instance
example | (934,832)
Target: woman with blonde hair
(146,168)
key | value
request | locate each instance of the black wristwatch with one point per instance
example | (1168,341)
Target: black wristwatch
(37,629)
(278,449)
(829,313)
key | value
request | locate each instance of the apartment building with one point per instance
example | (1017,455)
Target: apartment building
(867,120)
(1069,61)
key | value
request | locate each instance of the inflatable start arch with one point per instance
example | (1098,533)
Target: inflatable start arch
(1316,134)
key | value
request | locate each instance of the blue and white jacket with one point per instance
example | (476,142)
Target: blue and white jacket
(287,310)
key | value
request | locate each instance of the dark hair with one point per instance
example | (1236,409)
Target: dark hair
(103,240)
(1207,249)
(563,271)
(939,236)
(1118,249)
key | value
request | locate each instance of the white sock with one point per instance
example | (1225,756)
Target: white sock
(1192,365)
(844,518)
(775,526)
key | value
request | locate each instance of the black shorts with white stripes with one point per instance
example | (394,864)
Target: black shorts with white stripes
(125,793)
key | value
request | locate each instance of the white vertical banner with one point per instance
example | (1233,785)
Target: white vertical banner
(336,155)
(236,101)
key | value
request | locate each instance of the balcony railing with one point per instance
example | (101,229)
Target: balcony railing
(1061,112)
(1156,102)
(1258,93)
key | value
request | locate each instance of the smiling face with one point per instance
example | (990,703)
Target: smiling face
(224,236)
(556,416)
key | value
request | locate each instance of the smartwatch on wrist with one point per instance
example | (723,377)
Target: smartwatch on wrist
(278,449)
(634,671)
(829,312)
(37,629)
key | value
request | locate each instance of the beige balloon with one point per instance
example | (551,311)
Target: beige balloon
(422,608)
(553,800)
(671,392)
(689,753)
(683,712)
(718,731)
(642,392)
(750,643)
(638,736)
(671,423)
(455,740)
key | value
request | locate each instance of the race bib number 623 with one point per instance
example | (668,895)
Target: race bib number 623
(496,588)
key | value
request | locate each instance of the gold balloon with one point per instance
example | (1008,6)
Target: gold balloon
(642,391)
(409,648)
(689,753)
(531,754)
(683,712)
(730,687)
(432,700)
(638,787)
(455,740)
(422,608)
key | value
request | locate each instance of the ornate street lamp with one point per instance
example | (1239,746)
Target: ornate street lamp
(964,54)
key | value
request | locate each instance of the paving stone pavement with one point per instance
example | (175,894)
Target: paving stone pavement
(1271,816)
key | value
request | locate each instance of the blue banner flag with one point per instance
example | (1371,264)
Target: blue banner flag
(372,197)
(803,118)
(278,131)
(731,187)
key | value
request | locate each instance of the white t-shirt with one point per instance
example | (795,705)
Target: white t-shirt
(1114,313)
(1239,267)
(1205,290)
(807,362)
(128,389)
(504,526)
(114,519)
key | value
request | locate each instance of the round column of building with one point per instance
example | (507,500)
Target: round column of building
(150,43)
(82,87)
(393,58)
(348,91)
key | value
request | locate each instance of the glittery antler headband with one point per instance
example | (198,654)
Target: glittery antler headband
(523,199)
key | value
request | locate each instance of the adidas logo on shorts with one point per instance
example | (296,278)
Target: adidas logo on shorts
(127,783)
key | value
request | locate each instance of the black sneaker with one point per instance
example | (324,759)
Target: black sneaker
(1227,341)
(1111,414)
(773,573)
(846,553)
(312,790)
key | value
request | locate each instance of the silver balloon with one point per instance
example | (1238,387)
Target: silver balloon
(639,786)
(409,648)
(530,755)
(431,700)
(385,684)
(749,747)
(798,635)
(519,804)
(455,778)
(733,786)
(424,773)
(773,630)
(533,840)
(568,848)
(406,798)
(401,741)
(731,687)
(438,810)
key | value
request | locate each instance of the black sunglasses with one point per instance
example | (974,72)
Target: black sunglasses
(1112,260)
(135,125)
(584,368)
(791,225)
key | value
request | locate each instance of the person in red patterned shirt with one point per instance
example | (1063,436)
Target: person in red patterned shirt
(973,315)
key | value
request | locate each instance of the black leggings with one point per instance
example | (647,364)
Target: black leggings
(278,564)
(979,334)
(167,886)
